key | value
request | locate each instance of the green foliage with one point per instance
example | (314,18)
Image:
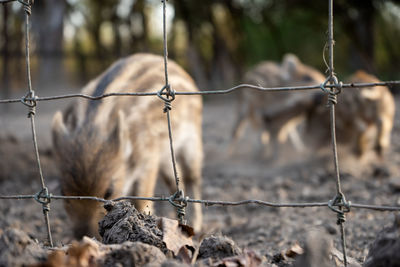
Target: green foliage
(223,38)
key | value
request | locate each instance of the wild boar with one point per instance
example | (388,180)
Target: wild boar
(118,146)
(364,117)
(255,105)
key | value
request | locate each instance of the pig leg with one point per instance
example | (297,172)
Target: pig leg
(237,131)
(191,159)
(145,180)
(364,140)
(167,174)
(246,115)
(384,130)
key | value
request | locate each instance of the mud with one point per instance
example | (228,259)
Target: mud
(134,254)
(19,249)
(124,223)
(295,177)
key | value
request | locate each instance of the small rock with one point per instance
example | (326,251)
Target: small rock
(218,247)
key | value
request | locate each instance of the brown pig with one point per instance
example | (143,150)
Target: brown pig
(254,105)
(364,117)
(118,146)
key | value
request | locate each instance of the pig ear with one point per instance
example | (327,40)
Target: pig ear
(59,131)
(120,135)
(290,65)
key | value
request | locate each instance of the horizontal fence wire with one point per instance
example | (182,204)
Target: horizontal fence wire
(209,202)
(211,92)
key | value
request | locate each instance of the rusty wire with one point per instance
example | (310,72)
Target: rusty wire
(331,86)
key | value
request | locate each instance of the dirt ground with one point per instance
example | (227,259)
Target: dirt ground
(294,177)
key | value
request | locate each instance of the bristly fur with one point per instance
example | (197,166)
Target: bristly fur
(257,107)
(364,117)
(119,145)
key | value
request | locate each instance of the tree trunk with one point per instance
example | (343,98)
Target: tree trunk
(5,67)
(48,24)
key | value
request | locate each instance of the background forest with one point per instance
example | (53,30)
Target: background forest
(215,40)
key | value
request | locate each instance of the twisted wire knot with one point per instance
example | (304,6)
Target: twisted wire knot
(27,6)
(332,99)
(339,205)
(167,106)
(334,90)
(168,98)
(181,212)
(179,201)
(30,100)
(44,198)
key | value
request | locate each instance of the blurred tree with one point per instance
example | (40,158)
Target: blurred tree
(213,41)
(139,39)
(5,52)
(11,44)
(216,40)
(356,21)
(48,25)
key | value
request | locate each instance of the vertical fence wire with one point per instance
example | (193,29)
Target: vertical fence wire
(332,102)
(43,196)
(170,96)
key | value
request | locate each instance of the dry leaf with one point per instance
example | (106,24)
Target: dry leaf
(173,236)
(188,230)
(294,251)
(185,255)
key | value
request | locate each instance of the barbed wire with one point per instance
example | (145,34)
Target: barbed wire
(332,86)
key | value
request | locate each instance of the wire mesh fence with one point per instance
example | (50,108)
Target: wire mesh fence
(332,87)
